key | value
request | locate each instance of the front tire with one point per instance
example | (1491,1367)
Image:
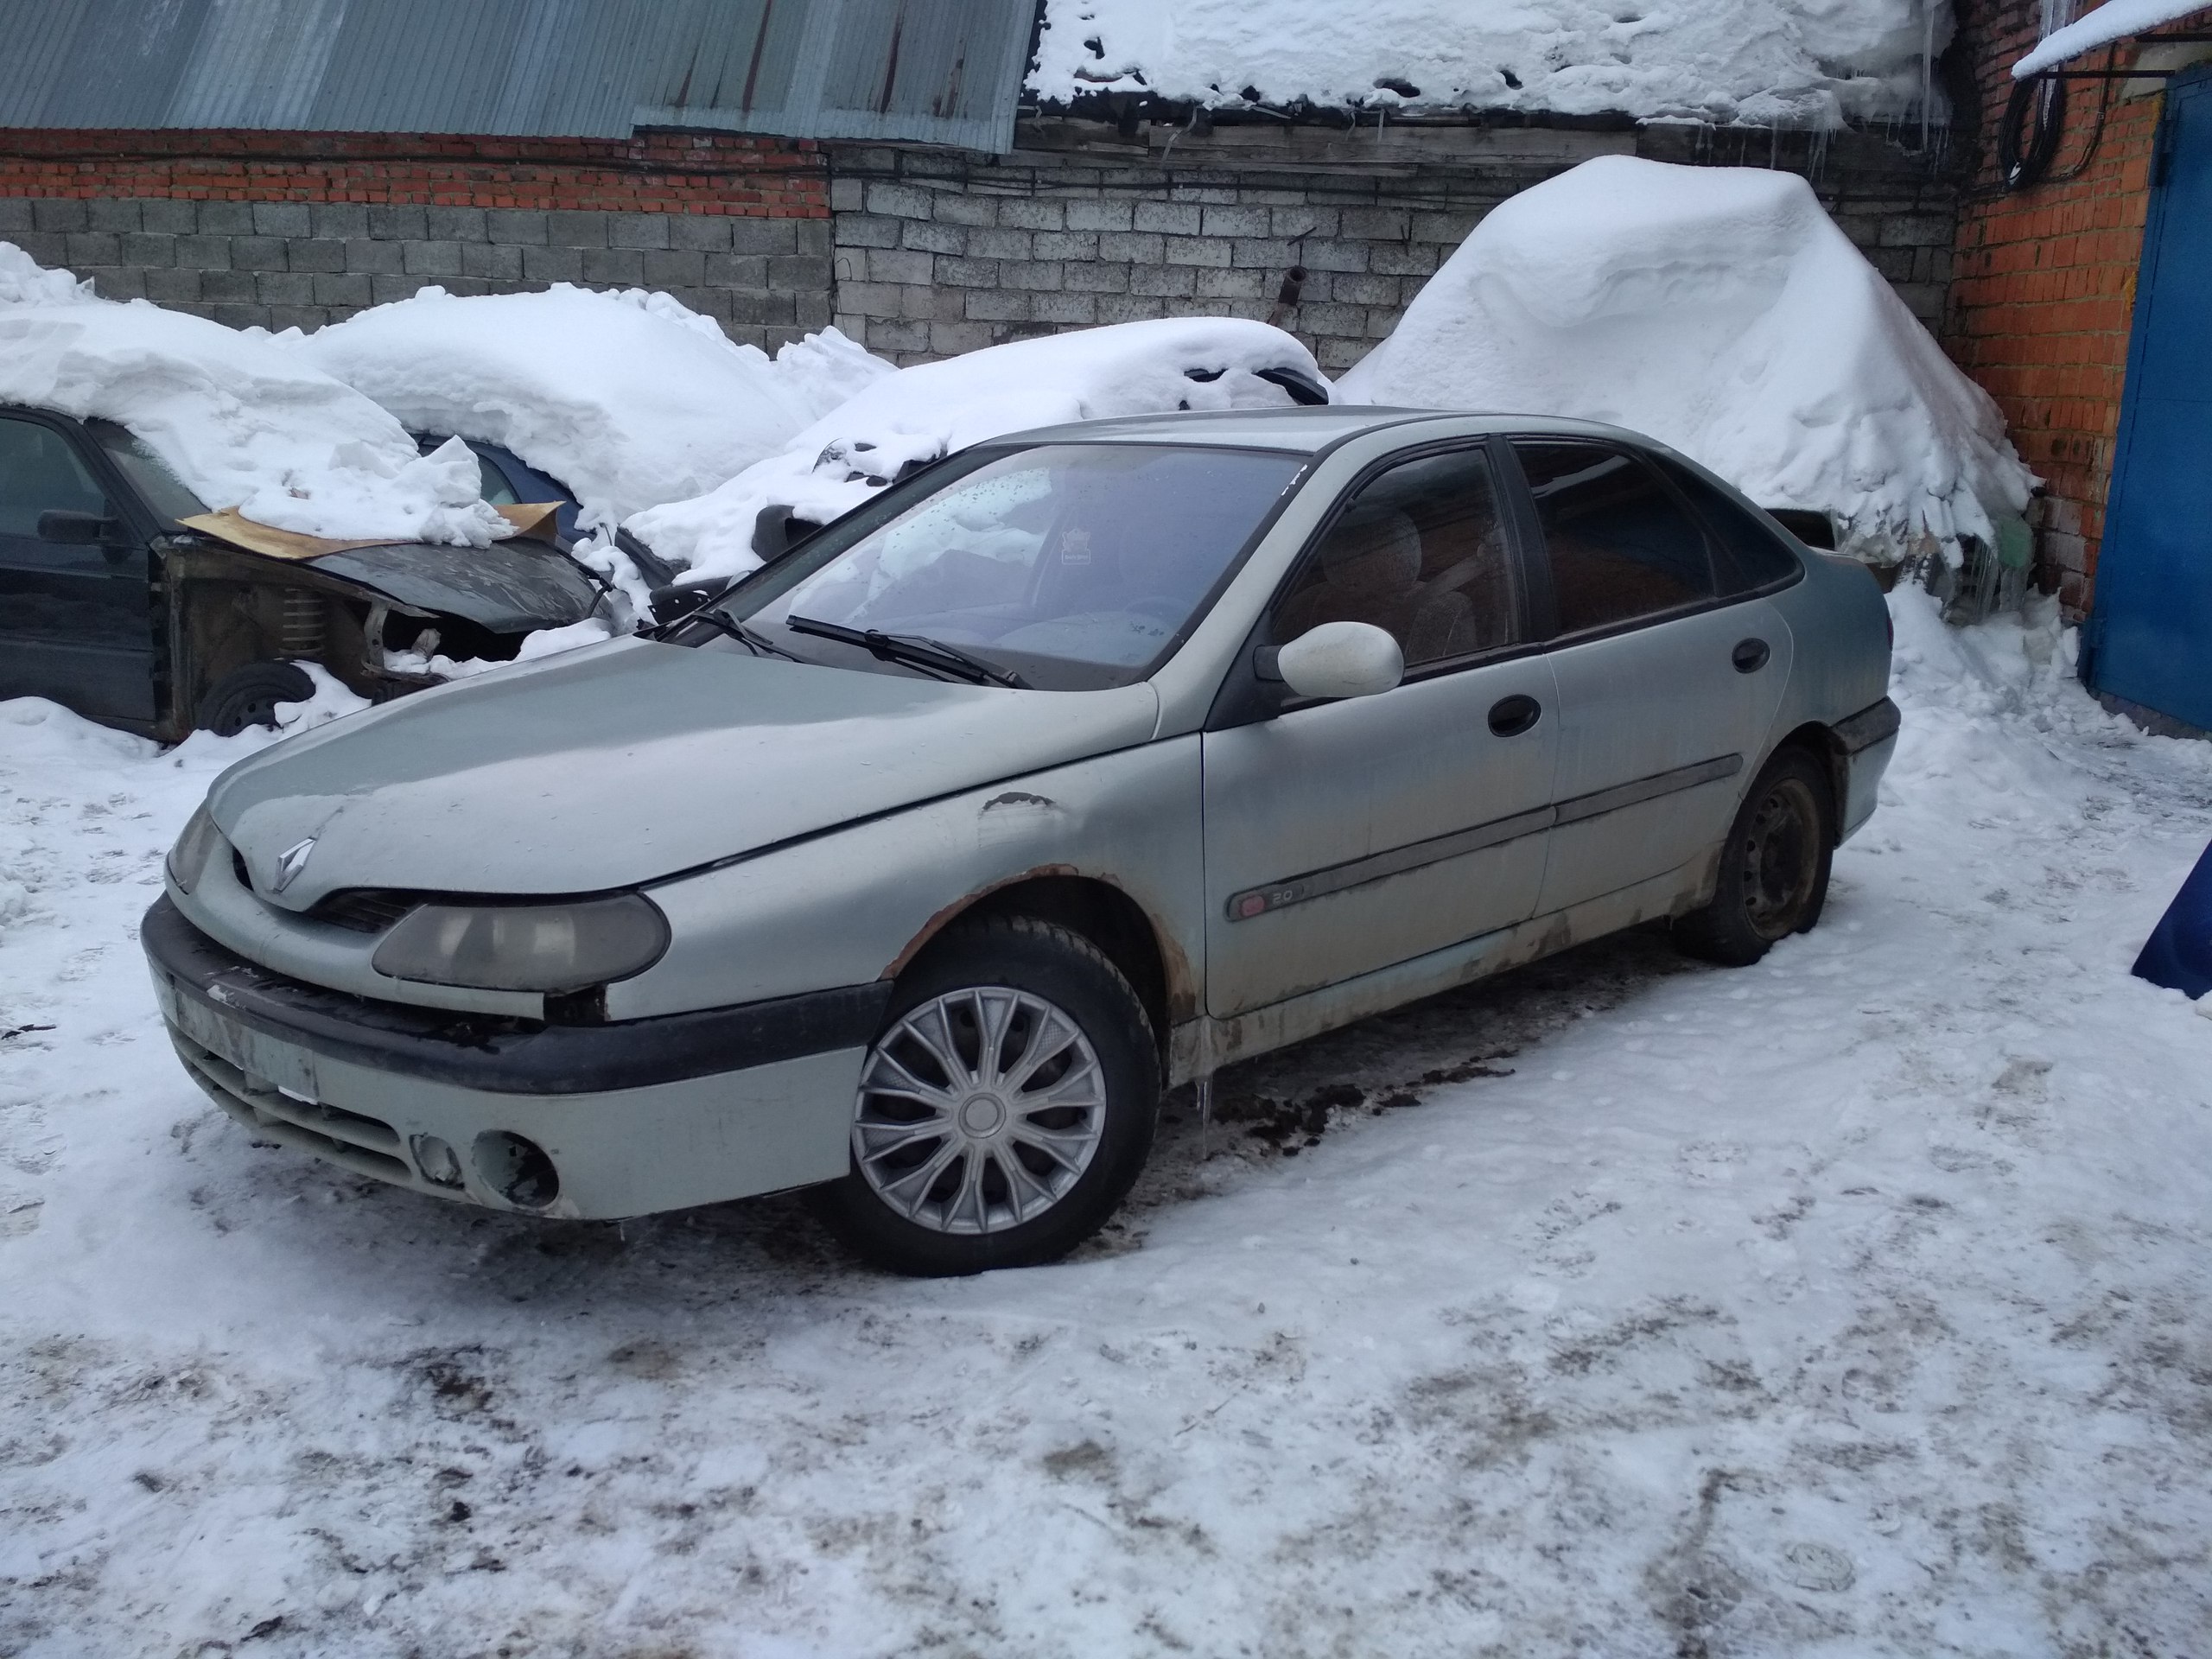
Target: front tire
(1005,1109)
(249,696)
(1774,865)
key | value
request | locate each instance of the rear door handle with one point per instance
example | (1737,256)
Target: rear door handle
(1510,716)
(1750,656)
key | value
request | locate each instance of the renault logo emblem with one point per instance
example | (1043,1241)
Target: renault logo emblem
(291,861)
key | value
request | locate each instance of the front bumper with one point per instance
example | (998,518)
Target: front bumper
(634,1117)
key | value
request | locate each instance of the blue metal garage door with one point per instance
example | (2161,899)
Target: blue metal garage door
(2152,626)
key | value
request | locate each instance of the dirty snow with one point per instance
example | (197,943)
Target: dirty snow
(1720,310)
(240,420)
(920,413)
(628,398)
(1854,1304)
(2115,20)
(1789,62)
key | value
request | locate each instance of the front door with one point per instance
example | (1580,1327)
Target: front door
(75,620)
(2150,633)
(1342,837)
(1666,692)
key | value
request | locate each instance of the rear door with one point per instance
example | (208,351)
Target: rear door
(1666,687)
(1345,836)
(75,621)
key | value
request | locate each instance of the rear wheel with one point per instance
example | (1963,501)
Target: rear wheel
(1774,866)
(1006,1107)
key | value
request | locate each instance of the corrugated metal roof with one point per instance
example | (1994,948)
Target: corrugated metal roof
(935,71)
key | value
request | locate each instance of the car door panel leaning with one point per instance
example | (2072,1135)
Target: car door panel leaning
(1251,869)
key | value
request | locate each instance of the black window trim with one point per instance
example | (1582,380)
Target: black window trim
(1554,638)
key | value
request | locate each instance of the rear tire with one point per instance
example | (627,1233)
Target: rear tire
(1774,865)
(249,696)
(1005,1109)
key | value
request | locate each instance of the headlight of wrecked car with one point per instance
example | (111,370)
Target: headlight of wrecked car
(190,855)
(552,947)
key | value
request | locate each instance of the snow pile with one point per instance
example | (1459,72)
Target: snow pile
(243,421)
(1721,311)
(1791,62)
(629,398)
(2115,20)
(918,414)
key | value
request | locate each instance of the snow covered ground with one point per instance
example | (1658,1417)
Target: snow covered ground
(1854,1304)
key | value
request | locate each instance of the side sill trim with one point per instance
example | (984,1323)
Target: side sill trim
(501,1055)
(1377,866)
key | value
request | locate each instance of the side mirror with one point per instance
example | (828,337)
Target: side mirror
(1341,660)
(77,529)
(678,599)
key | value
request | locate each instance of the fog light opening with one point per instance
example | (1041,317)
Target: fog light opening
(518,1170)
(439,1162)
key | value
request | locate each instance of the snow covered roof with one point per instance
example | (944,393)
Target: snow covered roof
(920,413)
(1781,62)
(2115,20)
(629,398)
(1721,311)
(243,421)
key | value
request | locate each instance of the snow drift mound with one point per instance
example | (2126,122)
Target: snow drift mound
(244,422)
(629,398)
(1721,311)
(1783,62)
(918,414)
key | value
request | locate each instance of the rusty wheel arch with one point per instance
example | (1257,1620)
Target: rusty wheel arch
(1100,909)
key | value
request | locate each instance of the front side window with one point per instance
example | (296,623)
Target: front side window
(1621,548)
(41,473)
(1071,566)
(160,488)
(1418,551)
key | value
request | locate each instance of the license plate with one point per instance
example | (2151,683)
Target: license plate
(277,1065)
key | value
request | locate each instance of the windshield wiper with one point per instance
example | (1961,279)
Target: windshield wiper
(912,649)
(757,645)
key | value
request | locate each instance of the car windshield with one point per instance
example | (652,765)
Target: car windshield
(1065,567)
(160,488)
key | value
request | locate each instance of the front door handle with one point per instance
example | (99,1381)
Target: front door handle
(1510,716)
(1750,656)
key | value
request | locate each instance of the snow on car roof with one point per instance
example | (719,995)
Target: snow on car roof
(1721,311)
(1788,62)
(920,413)
(629,398)
(242,422)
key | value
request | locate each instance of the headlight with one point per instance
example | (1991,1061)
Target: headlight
(553,947)
(190,855)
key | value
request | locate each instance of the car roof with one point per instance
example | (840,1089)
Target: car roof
(1303,430)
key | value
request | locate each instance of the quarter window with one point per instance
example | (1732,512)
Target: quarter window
(1620,546)
(1420,552)
(1748,554)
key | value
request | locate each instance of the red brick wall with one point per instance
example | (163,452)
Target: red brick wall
(2044,287)
(660,173)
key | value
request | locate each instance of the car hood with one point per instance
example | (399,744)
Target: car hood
(614,765)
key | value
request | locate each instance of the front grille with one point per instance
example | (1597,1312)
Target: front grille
(367,1145)
(365,909)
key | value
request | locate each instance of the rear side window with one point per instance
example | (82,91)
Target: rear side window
(1420,552)
(1621,547)
(1746,552)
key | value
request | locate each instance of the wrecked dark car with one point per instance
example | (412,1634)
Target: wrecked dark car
(124,598)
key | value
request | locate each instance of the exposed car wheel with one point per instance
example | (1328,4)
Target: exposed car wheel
(249,696)
(1774,866)
(1005,1109)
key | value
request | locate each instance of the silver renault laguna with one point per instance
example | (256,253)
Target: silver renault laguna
(1086,761)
